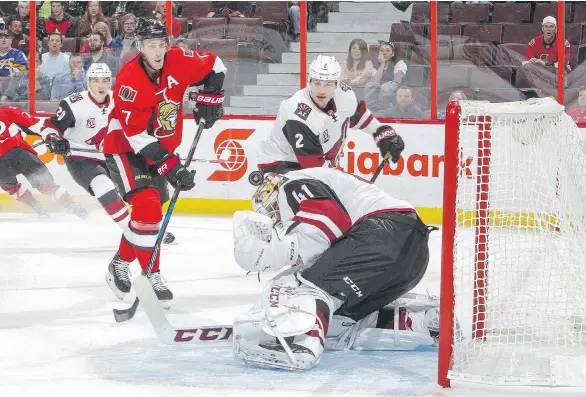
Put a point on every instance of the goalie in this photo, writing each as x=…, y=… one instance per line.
x=351, y=248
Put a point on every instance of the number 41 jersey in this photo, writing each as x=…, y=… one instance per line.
x=305, y=134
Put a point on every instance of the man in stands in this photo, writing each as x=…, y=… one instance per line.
x=97, y=42
x=54, y=61
x=405, y=108
x=59, y=21
x=11, y=59
x=542, y=50
x=69, y=82
x=19, y=39
x=579, y=114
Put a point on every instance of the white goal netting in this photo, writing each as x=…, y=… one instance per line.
x=520, y=246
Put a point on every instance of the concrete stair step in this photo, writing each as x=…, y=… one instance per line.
x=355, y=7
x=269, y=102
x=251, y=111
x=293, y=57
x=378, y=27
x=270, y=90
x=284, y=68
x=278, y=79
x=343, y=37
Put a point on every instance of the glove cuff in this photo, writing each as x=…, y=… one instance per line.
x=384, y=132
x=167, y=165
x=209, y=99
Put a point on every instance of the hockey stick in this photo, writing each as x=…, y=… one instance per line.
x=37, y=144
x=380, y=167
x=127, y=314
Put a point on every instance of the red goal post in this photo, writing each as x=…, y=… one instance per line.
x=513, y=290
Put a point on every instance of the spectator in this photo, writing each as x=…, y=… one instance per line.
x=22, y=13
x=92, y=15
x=104, y=29
x=294, y=15
x=160, y=14
x=542, y=50
x=356, y=69
x=579, y=114
x=230, y=9
x=11, y=59
x=97, y=54
x=17, y=89
x=20, y=41
x=389, y=75
x=85, y=46
x=125, y=41
x=65, y=84
x=55, y=61
x=404, y=108
x=60, y=22
x=455, y=96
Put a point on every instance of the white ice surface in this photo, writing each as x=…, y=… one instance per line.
x=58, y=336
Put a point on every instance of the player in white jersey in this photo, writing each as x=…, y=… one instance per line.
x=310, y=129
x=352, y=249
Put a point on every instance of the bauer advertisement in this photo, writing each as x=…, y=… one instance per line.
x=226, y=155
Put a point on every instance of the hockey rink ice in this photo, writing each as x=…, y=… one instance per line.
x=58, y=336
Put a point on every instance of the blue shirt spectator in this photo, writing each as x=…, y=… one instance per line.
x=11, y=59
x=125, y=41
x=65, y=84
x=54, y=61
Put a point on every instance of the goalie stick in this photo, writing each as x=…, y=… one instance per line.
x=127, y=314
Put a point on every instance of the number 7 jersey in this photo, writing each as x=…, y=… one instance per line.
x=305, y=134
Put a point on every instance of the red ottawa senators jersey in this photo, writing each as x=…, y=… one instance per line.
x=546, y=52
x=12, y=122
x=145, y=110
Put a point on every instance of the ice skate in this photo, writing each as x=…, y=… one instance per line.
x=118, y=277
x=163, y=293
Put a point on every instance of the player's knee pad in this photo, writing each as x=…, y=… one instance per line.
x=101, y=185
x=16, y=191
x=146, y=207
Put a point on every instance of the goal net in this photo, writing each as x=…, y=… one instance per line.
x=514, y=245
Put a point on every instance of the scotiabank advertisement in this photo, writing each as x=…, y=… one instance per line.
x=226, y=154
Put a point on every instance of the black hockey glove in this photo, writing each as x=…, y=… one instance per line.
x=57, y=144
x=177, y=175
x=388, y=141
x=209, y=105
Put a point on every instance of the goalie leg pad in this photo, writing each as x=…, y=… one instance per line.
x=287, y=329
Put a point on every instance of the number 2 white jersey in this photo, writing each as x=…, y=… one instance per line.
x=306, y=135
x=326, y=203
x=82, y=121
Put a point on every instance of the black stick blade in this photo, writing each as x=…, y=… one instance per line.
x=121, y=315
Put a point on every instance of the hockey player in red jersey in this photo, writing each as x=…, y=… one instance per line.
x=18, y=157
x=145, y=129
x=310, y=129
x=351, y=249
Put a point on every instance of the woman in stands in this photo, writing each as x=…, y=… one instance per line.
x=357, y=70
x=388, y=77
x=93, y=14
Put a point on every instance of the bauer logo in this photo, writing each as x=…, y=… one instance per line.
x=231, y=155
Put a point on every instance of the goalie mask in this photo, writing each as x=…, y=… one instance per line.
x=265, y=199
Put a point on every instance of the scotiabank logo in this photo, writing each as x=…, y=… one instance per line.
x=416, y=165
x=236, y=164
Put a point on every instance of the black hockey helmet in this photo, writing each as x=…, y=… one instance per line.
x=151, y=29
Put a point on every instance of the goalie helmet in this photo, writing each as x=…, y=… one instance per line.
x=324, y=68
x=265, y=199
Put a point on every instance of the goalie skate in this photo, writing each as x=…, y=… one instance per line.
x=272, y=354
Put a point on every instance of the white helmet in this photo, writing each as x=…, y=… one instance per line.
x=324, y=68
x=98, y=70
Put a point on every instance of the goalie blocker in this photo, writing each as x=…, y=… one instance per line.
x=352, y=250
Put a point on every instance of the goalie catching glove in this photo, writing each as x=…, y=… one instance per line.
x=261, y=245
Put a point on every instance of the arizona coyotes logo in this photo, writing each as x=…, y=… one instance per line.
x=167, y=116
x=303, y=110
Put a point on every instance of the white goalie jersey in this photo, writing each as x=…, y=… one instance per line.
x=320, y=205
x=83, y=122
x=305, y=134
